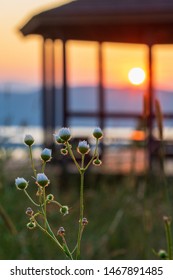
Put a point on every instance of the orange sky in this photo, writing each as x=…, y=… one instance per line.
x=20, y=58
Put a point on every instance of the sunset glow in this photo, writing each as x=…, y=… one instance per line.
x=21, y=58
x=136, y=76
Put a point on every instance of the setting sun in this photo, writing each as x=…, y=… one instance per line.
x=136, y=76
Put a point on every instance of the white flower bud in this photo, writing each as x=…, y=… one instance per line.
x=21, y=183
x=42, y=180
x=29, y=140
x=46, y=155
x=64, y=134
x=83, y=147
x=97, y=133
x=58, y=139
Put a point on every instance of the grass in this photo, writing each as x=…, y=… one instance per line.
x=124, y=213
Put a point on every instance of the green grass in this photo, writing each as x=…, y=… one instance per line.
x=124, y=213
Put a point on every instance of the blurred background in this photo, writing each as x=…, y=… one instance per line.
x=129, y=194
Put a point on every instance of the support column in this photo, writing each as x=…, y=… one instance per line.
x=150, y=105
x=64, y=83
x=101, y=88
x=48, y=91
x=53, y=88
x=44, y=90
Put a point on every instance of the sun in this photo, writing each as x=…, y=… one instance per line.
x=136, y=76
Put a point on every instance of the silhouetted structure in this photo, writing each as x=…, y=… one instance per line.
x=128, y=21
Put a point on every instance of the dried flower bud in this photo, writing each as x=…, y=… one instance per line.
x=64, y=152
x=58, y=139
x=39, y=191
x=42, y=180
x=64, y=134
x=97, y=162
x=29, y=140
x=83, y=147
x=64, y=210
x=21, y=184
x=167, y=219
x=31, y=225
x=84, y=221
x=29, y=211
x=163, y=254
x=61, y=231
x=97, y=133
x=46, y=155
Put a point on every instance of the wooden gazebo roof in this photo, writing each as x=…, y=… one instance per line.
x=131, y=21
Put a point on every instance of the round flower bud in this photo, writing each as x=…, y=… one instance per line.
x=61, y=231
x=84, y=221
x=31, y=225
x=58, y=139
x=29, y=140
x=29, y=211
x=163, y=254
x=64, y=210
x=97, y=162
x=97, y=133
x=46, y=155
x=42, y=180
x=50, y=197
x=83, y=147
x=64, y=152
x=21, y=184
x=64, y=134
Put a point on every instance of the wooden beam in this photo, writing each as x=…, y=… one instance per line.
x=101, y=88
x=150, y=103
x=64, y=59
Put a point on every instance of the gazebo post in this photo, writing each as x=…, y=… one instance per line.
x=150, y=103
x=44, y=115
x=64, y=60
x=100, y=85
x=101, y=90
x=53, y=88
x=48, y=92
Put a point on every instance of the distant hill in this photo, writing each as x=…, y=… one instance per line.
x=23, y=107
x=20, y=109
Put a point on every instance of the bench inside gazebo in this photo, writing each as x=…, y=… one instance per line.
x=126, y=21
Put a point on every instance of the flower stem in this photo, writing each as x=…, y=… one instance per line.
x=94, y=155
x=72, y=156
x=81, y=217
x=27, y=194
x=66, y=249
x=168, y=237
x=32, y=162
x=45, y=210
x=50, y=235
x=56, y=202
x=43, y=166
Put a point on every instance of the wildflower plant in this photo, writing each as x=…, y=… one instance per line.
x=38, y=219
x=166, y=254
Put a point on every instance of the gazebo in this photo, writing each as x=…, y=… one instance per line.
x=146, y=22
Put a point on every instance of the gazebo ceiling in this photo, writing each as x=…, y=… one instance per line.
x=131, y=21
